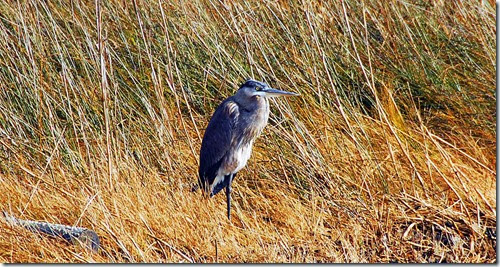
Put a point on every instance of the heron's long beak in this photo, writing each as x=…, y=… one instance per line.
x=275, y=92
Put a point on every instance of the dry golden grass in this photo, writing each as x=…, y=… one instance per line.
x=387, y=155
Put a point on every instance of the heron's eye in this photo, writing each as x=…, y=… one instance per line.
x=258, y=88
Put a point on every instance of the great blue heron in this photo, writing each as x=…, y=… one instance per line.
x=228, y=139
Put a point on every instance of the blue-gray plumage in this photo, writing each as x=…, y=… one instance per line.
x=229, y=137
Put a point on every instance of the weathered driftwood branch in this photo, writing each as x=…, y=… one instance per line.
x=75, y=235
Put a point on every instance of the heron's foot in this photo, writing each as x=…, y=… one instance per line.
x=195, y=187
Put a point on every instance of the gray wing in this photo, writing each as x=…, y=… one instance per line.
x=216, y=141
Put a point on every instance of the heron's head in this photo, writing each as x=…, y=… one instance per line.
x=252, y=88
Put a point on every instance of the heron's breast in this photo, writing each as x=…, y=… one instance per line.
x=243, y=154
x=237, y=158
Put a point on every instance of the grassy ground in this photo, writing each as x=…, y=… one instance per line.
x=388, y=154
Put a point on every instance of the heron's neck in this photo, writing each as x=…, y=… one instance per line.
x=263, y=105
x=257, y=115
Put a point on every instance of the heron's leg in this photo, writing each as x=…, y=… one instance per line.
x=228, y=196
